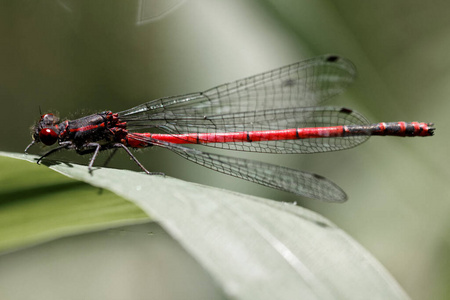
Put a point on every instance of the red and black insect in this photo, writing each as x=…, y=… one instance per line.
x=273, y=112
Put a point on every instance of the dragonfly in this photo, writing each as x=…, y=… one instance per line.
x=277, y=112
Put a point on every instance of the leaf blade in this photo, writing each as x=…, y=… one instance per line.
x=254, y=248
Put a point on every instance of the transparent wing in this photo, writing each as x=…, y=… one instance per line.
x=301, y=84
x=303, y=117
x=282, y=178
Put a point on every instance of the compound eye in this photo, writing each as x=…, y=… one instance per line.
x=47, y=136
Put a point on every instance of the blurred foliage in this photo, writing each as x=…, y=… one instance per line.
x=77, y=57
x=51, y=206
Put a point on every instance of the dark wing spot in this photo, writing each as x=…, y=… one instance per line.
x=332, y=58
x=317, y=176
x=346, y=110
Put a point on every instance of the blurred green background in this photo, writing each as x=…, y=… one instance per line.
x=79, y=57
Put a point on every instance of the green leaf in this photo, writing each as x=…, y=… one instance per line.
x=37, y=205
x=254, y=248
